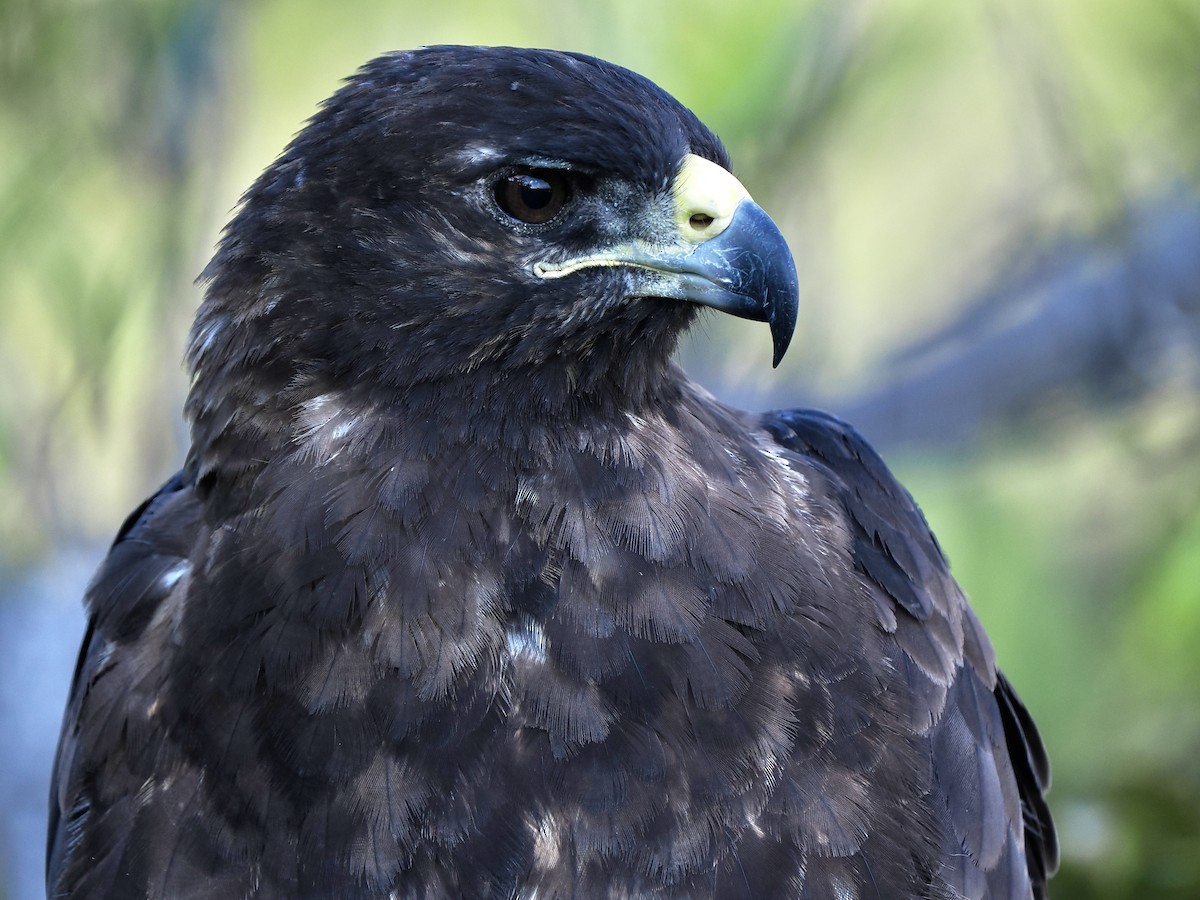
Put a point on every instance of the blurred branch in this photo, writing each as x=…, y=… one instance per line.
x=1107, y=320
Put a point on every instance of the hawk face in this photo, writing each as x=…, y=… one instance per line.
x=477, y=212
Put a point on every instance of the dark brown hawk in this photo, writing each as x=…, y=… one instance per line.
x=465, y=590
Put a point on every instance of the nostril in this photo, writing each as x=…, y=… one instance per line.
x=700, y=221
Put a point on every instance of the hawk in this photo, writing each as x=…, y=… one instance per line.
x=465, y=590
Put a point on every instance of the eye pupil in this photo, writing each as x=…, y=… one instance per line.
x=533, y=196
x=536, y=193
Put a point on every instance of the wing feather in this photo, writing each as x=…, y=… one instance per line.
x=988, y=762
x=104, y=758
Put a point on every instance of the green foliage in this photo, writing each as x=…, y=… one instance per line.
x=1080, y=549
x=95, y=185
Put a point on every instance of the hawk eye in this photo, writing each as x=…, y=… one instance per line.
x=533, y=196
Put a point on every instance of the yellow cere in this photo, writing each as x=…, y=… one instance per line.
x=706, y=197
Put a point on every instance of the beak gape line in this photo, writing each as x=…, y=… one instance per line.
x=728, y=255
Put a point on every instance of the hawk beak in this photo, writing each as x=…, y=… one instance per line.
x=737, y=261
x=727, y=255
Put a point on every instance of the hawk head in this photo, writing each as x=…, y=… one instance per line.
x=532, y=218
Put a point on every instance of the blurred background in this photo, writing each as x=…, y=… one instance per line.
x=995, y=213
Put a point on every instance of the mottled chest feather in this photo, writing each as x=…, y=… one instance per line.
x=641, y=630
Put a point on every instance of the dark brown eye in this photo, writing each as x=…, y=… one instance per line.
x=533, y=196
